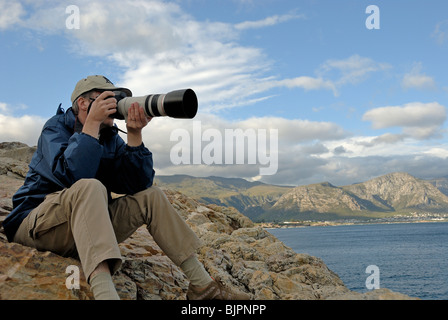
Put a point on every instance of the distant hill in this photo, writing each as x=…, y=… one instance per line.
x=441, y=184
x=250, y=198
x=401, y=192
x=385, y=196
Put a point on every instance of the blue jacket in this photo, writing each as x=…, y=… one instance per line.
x=64, y=155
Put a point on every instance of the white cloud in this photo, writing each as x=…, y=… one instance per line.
x=306, y=83
x=438, y=152
x=217, y=72
x=440, y=32
x=298, y=141
x=10, y=13
x=291, y=132
x=296, y=131
x=351, y=70
x=357, y=159
x=418, y=120
x=373, y=146
x=344, y=171
x=147, y=28
x=269, y=21
x=160, y=47
x=7, y=109
x=415, y=79
x=24, y=129
x=387, y=138
x=308, y=151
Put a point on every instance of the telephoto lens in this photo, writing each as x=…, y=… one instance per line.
x=181, y=104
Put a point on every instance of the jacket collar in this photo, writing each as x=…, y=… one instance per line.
x=69, y=118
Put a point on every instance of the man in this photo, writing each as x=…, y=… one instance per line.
x=65, y=204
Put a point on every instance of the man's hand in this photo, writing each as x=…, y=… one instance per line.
x=137, y=120
x=100, y=110
x=102, y=107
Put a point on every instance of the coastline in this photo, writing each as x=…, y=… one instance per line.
x=408, y=254
x=345, y=222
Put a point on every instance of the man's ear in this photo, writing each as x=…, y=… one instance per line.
x=83, y=103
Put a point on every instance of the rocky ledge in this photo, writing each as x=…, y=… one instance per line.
x=234, y=249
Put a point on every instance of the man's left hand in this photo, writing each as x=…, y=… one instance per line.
x=137, y=120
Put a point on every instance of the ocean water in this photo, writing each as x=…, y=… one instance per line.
x=412, y=258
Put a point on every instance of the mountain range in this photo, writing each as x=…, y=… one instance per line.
x=385, y=196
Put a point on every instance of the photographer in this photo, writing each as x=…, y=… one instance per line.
x=65, y=204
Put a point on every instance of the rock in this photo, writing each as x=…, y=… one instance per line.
x=14, y=158
x=241, y=254
x=377, y=294
x=26, y=273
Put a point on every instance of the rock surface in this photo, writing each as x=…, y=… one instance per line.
x=243, y=255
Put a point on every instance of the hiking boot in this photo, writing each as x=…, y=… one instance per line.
x=215, y=291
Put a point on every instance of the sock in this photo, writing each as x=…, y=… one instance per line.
x=195, y=272
x=103, y=287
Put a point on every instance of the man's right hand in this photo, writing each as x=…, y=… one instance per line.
x=100, y=110
x=102, y=107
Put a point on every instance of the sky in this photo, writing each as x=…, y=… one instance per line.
x=335, y=91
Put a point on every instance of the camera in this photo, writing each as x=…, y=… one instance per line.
x=181, y=104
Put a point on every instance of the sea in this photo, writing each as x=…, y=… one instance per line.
x=410, y=258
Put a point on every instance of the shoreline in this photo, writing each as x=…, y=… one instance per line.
x=304, y=224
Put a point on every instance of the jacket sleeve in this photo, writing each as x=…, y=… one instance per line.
x=132, y=169
x=68, y=159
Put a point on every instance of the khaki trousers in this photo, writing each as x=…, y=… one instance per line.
x=79, y=222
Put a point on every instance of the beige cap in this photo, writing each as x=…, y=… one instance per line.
x=96, y=83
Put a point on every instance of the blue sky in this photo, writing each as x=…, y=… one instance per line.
x=349, y=103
